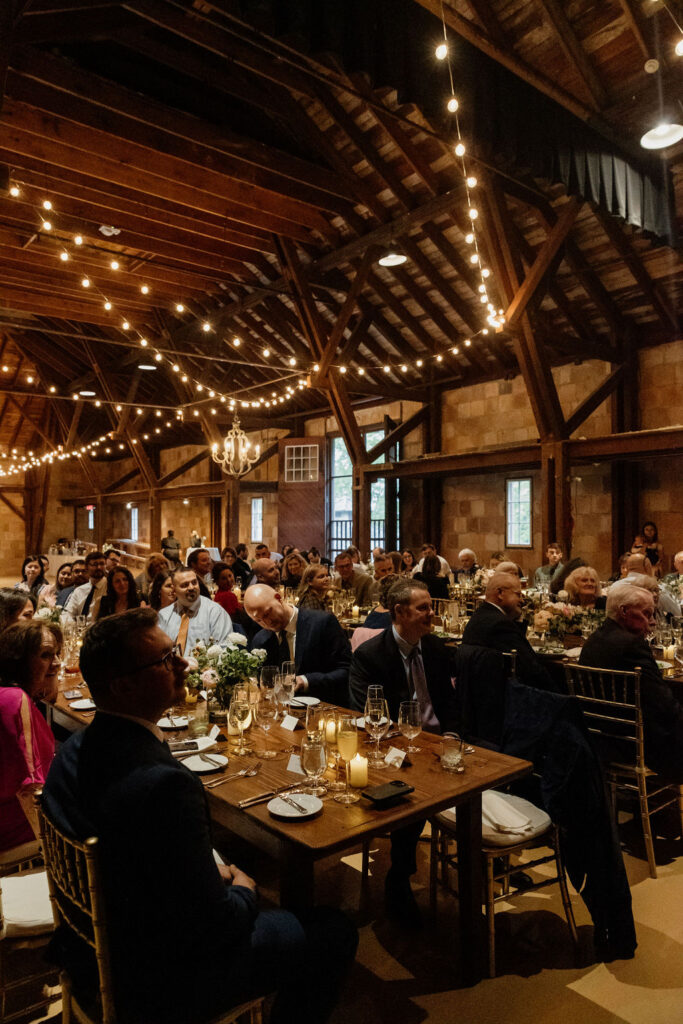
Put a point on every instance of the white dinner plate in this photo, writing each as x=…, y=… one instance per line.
x=203, y=743
x=280, y=809
x=179, y=722
x=196, y=764
x=303, y=699
x=83, y=705
x=360, y=722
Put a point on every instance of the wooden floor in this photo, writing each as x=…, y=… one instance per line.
x=407, y=978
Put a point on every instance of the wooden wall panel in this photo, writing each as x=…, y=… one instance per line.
x=301, y=506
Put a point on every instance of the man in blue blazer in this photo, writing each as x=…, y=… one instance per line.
x=174, y=913
x=313, y=640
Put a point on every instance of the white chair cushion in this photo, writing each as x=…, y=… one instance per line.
x=26, y=907
x=505, y=819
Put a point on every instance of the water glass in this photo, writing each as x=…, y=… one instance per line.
x=410, y=722
x=287, y=680
x=314, y=762
x=452, y=752
x=267, y=711
x=377, y=724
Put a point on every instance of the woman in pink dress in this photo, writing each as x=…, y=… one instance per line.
x=29, y=670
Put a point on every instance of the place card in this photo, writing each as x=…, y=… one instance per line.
x=290, y=722
x=294, y=765
x=395, y=757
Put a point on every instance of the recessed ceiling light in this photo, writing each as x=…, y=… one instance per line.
x=87, y=394
x=392, y=258
x=146, y=366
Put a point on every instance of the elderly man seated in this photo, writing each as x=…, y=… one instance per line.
x=192, y=617
x=312, y=639
x=496, y=624
x=675, y=579
x=187, y=939
x=467, y=565
x=620, y=643
x=641, y=565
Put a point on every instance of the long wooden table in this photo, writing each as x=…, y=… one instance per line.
x=298, y=846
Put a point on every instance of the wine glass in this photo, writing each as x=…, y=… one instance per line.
x=330, y=731
x=377, y=724
x=288, y=680
x=410, y=722
x=375, y=693
x=266, y=713
x=314, y=719
x=314, y=762
x=269, y=677
x=239, y=713
x=347, y=744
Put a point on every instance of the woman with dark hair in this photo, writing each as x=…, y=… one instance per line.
x=33, y=580
x=436, y=585
x=29, y=672
x=156, y=563
x=312, y=592
x=161, y=593
x=224, y=578
x=121, y=594
x=240, y=569
x=316, y=558
x=15, y=606
x=408, y=563
x=379, y=617
x=653, y=549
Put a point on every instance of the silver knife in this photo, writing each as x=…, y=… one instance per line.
x=292, y=803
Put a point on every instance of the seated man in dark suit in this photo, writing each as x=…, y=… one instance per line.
x=312, y=639
x=495, y=624
x=174, y=914
x=410, y=664
x=620, y=644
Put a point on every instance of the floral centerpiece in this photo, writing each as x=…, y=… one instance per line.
x=561, y=618
x=219, y=669
x=48, y=613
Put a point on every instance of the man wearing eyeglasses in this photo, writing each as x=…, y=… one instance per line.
x=193, y=617
x=171, y=908
x=85, y=599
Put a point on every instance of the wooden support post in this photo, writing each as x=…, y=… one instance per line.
x=100, y=525
x=231, y=512
x=556, y=510
x=155, y=499
x=433, y=487
x=625, y=474
x=547, y=495
x=361, y=510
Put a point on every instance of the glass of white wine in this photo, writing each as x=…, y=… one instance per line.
x=347, y=744
x=330, y=732
x=377, y=724
x=239, y=713
x=410, y=722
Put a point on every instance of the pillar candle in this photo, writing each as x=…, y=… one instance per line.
x=355, y=613
x=358, y=771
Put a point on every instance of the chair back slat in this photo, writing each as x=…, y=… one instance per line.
x=610, y=701
x=75, y=883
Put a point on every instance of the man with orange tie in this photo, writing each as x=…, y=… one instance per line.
x=193, y=617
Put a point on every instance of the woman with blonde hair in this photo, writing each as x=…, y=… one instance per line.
x=583, y=588
x=312, y=592
x=292, y=569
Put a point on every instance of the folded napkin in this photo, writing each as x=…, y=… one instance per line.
x=574, y=652
x=179, y=748
x=499, y=815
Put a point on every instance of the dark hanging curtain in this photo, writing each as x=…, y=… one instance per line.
x=513, y=125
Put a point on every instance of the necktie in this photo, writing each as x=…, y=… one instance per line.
x=283, y=647
x=420, y=691
x=181, y=639
x=88, y=601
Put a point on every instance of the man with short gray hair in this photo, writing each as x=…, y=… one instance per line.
x=621, y=644
x=641, y=565
x=467, y=565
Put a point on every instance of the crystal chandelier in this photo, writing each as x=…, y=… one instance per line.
x=236, y=457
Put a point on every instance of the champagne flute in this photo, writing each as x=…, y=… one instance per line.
x=347, y=743
x=377, y=724
x=330, y=731
x=288, y=680
x=410, y=722
x=314, y=762
x=239, y=712
x=266, y=712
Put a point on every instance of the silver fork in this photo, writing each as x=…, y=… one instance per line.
x=245, y=773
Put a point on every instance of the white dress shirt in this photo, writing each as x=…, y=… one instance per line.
x=78, y=597
x=208, y=621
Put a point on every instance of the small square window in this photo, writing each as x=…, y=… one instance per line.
x=301, y=463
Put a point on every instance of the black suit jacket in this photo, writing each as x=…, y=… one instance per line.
x=170, y=911
x=379, y=661
x=612, y=646
x=488, y=627
x=322, y=653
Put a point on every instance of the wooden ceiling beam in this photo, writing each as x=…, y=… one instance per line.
x=336, y=334
x=484, y=13
x=11, y=506
x=636, y=22
x=594, y=400
x=85, y=24
x=397, y=434
x=573, y=50
x=23, y=411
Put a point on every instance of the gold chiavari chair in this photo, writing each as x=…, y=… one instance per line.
x=75, y=883
x=611, y=706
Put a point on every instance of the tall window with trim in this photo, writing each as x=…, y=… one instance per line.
x=518, y=513
x=256, y=520
x=340, y=523
x=134, y=523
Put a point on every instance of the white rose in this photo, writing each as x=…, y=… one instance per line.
x=238, y=638
x=192, y=663
x=562, y=595
x=259, y=653
x=214, y=651
x=43, y=613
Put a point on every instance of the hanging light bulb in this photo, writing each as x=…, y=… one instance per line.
x=393, y=257
x=452, y=105
x=664, y=135
x=441, y=51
